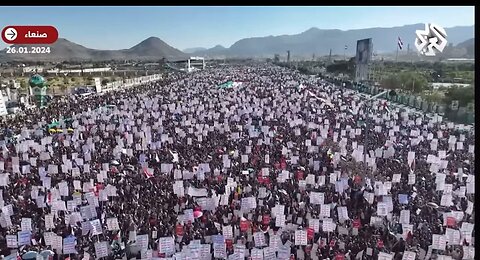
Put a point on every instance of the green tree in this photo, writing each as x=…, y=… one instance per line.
x=63, y=88
x=409, y=81
x=105, y=81
x=434, y=96
x=89, y=81
x=23, y=84
x=345, y=67
x=413, y=82
x=439, y=69
x=391, y=82
x=464, y=95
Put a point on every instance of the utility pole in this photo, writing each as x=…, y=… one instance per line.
x=330, y=57
x=288, y=57
x=408, y=53
x=396, y=57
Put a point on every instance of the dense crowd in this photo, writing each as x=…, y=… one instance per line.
x=281, y=166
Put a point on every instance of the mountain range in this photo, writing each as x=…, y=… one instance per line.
x=151, y=48
x=313, y=41
x=193, y=50
x=469, y=46
x=320, y=42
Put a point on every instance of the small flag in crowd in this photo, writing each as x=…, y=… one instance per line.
x=385, y=106
x=148, y=172
x=412, y=166
x=400, y=43
x=346, y=47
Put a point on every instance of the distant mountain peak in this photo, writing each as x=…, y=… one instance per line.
x=152, y=38
x=194, y=49
x=313, y=29
x=152, y=48
x=151, y=41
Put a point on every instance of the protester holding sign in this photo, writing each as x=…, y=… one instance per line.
x=180, y=168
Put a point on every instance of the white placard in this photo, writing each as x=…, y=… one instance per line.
x=11, y=241
x=301, y=237
x=101, y=249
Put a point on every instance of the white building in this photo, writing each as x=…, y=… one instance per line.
x=32, y=69
x=196, y=62
x=437, y=85
x=89, y=70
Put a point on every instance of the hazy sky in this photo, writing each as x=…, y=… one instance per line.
x=185, y=27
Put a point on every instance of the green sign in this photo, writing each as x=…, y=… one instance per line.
x=228, y=84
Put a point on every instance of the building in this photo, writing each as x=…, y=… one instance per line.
x=196, y=62
x=460, y=60
x=89, y=70
x=437, y=85
x=188, y=65
x=32, y=69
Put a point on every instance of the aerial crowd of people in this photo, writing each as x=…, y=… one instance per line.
x=280, y=165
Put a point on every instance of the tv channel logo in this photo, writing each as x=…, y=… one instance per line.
x=432, y=40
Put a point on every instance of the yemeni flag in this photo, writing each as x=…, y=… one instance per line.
x=148, y=172
x=400, y=43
